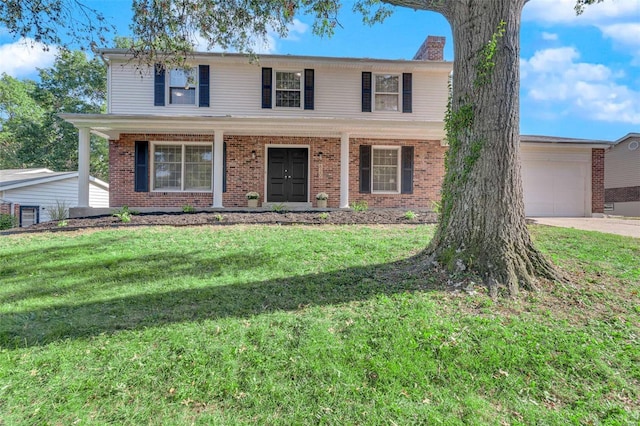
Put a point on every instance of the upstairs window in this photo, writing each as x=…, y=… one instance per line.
x=288, y=89
x=387, y=92
x=182, y=87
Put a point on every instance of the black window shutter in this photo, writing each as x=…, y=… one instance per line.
x=141, y=166
x=365, y=169
x=158, y=86
x=266, y=88
x=203, y=82
x=406, y=92
x=366, y=91
x=407, y=170
x=224, y=167
x=308, y=88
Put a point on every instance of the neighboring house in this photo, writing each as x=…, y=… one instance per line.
x=622, y=177
x=288, y=128
x=32, y=194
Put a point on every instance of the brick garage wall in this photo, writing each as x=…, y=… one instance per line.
x=622, y=195
x=428, y=173
x=244, y=173
x=597, y=180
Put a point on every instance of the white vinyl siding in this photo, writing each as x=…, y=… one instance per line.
x=46, y=195
x=236, y=90
x=622, y=165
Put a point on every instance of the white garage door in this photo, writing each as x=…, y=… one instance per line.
x=555, y=188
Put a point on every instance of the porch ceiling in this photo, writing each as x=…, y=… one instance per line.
x=111, y=126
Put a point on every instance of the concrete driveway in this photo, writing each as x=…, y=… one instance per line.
x=609, y=225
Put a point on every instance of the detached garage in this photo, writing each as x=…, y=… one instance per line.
x=562, y=176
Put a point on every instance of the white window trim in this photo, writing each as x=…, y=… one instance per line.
x=275, y=89
x=183, y=144
x=375, y=92
x=398, y=166
x=167, y=89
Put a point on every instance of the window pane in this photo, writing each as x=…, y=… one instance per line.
x=386, y=102
x=288, y=80
x=181, y=96
x=288, y=99
x=168, y=167
x=198, y=168
x=387, y=83
x=385, y=170
x=180, y=78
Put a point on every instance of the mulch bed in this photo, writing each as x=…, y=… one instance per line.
x=334, y=217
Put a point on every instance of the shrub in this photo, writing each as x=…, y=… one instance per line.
x=360, y=206
x=410, y=215
x=124, y=214
x=188, y=208
x=324, y=216
x=280, y=208
x=60, y=211
x=7, y=221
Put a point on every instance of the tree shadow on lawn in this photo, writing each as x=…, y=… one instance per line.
x=37, y=327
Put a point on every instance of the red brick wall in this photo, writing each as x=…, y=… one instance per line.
x=5, y=208
x=428, y=173
x=246, y=174
x=597, y=180
x=622, y=195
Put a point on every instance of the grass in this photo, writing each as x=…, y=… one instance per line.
x=308, y=325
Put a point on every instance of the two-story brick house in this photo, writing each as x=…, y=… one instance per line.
x=287, y=127
x=290, y=127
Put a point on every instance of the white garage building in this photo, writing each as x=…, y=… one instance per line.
x=563, y=176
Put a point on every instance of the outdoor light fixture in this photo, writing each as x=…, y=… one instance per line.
x=253, y=154
x=320, y=155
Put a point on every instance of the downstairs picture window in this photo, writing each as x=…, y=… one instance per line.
x=182, y=167
x=385, y=170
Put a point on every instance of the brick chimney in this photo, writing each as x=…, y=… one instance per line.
x=431, y=50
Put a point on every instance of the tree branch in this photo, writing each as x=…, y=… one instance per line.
x=440, y=6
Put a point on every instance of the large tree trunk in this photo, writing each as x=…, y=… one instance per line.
x=482, y=228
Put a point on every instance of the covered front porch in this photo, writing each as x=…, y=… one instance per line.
x=244, y=151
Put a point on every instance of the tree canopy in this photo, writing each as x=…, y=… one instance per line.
x=32, y=134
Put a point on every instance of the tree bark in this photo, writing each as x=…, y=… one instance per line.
x=482, y=228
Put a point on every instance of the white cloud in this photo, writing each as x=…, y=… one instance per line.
x=24, y=56
x=562, y=11
x=296, y=29
x=556, y=77
x=549, y=36
x=626, y=36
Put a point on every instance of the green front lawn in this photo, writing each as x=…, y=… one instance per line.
x=308, y=325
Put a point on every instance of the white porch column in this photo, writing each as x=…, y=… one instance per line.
x=344, y=170
x=218, y=153
x=83, y=166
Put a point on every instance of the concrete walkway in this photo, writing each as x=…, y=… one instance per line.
x=609, y=225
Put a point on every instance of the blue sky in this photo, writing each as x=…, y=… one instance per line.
x=580, y=74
